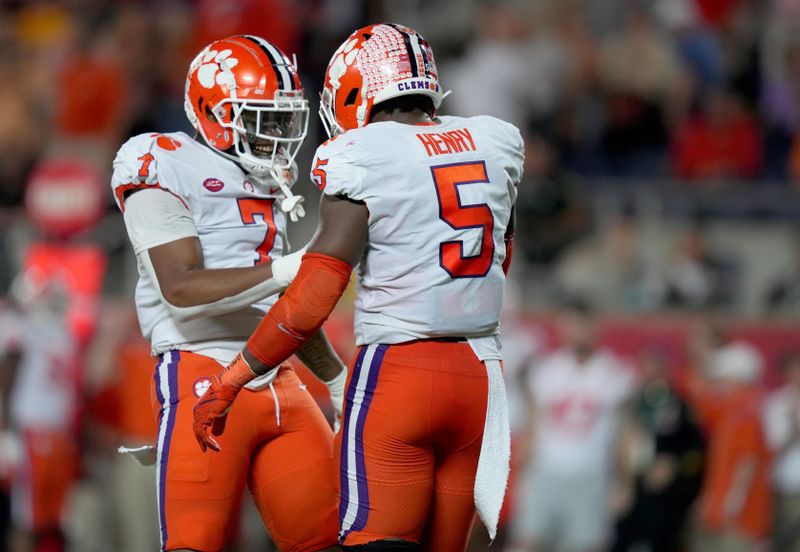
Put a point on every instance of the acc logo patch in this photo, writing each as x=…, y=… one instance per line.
x=248, y=187
x=213, y=184
x=200, y=386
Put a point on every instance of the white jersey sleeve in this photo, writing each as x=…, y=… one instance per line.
x=143, y=163
x=154, y=217
x=339, y=170
x=513, y=147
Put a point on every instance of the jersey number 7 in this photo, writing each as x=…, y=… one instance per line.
x=249, y=208
x=447, y=179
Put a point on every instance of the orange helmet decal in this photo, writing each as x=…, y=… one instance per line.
x=374, y=64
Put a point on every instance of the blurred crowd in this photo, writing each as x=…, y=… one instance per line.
x=649, y=124
x=702, y=90
x=651, y=340
x=663, y=449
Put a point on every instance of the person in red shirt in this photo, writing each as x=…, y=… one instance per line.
x=721, y=142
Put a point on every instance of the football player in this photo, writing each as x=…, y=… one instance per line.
x=207, y=220
x=424, y=206
x=40, y=398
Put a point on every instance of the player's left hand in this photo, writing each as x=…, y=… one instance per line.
x=211, y=411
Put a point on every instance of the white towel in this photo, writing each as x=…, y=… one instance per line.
x=491, y=478
x=146, y=455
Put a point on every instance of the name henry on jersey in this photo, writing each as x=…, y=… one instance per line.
x=452, y=141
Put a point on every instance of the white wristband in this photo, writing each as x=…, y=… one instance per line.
x=284, y=269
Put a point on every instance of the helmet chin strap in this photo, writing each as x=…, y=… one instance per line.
x=284, y=177
x=291, y=203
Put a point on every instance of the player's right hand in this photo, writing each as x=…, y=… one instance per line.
x=210, y=413
x=211, y=410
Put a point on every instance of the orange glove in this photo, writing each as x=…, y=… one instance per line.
x=211, y=410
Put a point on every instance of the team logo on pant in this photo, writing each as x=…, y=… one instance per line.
x=200, y=387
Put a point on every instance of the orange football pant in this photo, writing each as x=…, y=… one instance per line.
x=409, y=445
x=276, y=441
x=39, y=490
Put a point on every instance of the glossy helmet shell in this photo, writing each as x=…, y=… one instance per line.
x=234, y=72
x=376, y=63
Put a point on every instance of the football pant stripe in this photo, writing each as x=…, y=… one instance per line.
x=167, y=394
x=346, y=461
x=355, y=500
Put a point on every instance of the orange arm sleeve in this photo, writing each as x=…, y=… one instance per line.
x=302, y=310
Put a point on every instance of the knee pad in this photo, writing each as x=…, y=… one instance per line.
x=385, y=546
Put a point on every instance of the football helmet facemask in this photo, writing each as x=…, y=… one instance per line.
x=244, y=97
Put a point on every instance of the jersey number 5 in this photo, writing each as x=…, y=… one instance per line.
x=452, y=259
x=248, y=209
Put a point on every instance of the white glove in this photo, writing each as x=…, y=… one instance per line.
x=285, y=268
x=336, y=389
x=293, y=204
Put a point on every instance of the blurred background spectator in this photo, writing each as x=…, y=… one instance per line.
x=42, y=393
x=695, y=276
x=720, y=142
x=783, y=294
x=669, y=451
x=735, y=507
x=662, y=189
x=577, y=475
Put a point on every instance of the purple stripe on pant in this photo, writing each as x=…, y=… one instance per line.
x=169, y=403
x=362, y=513
x=351, y=392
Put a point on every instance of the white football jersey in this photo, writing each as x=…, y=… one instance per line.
x=238, y=220
x=439, y=199
x=46, y=389
x=578, y=411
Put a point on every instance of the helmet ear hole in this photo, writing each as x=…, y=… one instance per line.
x=351, y=97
